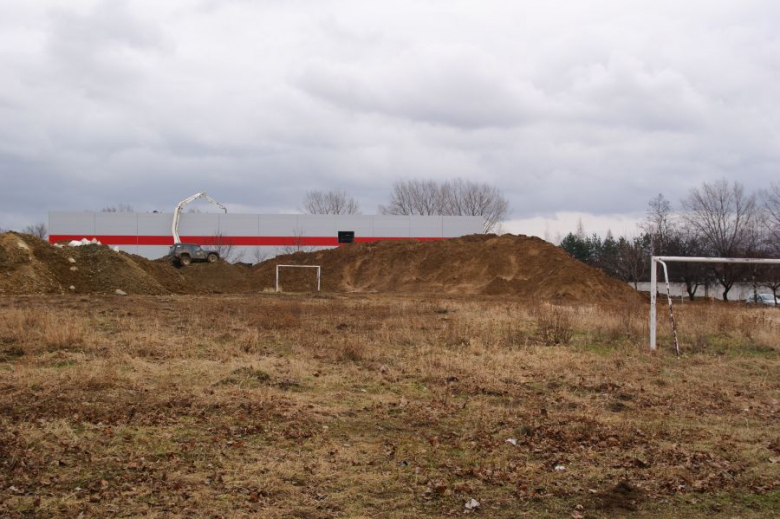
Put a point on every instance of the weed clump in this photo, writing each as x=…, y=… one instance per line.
x=252, y=373
x=554, y=325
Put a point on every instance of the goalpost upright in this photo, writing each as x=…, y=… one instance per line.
x=663, y=260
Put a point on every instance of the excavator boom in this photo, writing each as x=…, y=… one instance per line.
x=180, y=207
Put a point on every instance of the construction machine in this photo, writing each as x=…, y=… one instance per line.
x=185, y=253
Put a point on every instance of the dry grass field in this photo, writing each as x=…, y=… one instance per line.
x=383, y=406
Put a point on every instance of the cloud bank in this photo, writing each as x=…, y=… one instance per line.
x=569, y=107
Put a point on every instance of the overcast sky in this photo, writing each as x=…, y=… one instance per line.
x=573, y=108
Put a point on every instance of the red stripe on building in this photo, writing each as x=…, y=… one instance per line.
x=310, y=241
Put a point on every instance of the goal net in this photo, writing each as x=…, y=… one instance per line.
x=655, y=261
x=278, y=267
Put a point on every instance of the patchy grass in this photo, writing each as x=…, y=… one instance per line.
x=358, y=406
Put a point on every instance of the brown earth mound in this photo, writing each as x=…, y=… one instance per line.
x=517, y=266
x=29, y=265
x=478, y=264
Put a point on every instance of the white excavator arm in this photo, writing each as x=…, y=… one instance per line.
x=180, y=207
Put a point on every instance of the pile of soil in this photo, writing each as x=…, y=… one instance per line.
x=29, y=265
x=521, y=266
x=517, y=266
x=212, y=278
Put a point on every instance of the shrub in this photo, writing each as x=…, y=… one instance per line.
x=553, y=324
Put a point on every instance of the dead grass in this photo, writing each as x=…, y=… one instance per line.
x=297, y=406
x=38, y=330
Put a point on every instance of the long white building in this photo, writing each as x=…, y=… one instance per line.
x=255, y=235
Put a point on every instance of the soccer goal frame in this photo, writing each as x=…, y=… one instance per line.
x=663, y=260
x=319, y=270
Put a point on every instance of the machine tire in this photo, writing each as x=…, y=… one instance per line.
x=185, y=259
x=212, y=258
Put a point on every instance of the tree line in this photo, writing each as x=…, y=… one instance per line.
x=718, y=219
x=423, y=198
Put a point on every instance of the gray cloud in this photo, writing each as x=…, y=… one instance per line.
x=568, y=107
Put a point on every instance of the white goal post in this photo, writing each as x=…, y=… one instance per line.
x=298, y=267
x=663, y=260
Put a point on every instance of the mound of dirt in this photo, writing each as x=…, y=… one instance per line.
x=516, y=266
x=215, y=278
x=21, y=270
x=519, y=266
x=29, y=265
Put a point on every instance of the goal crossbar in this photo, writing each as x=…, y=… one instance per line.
x=319, y=270
x=663, y=260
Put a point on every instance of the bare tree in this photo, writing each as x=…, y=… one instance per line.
x=477, y=199
x=580, y=229
x=38, y=229
x=683, y=243
x=415, y=197
x=770, y=278
x=632, y=255
x=452, y=198
x=724, y=217
x=120, y=208
x=297, y=245
x=224, y=246
x=260, y=255
x=659, y=223
x=330, y=202
x=771, y=220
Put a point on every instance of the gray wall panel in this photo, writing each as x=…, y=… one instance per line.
x=199, y=224
x=154, y=224
x=120, y=224
x=391, y=226
x=86, y=224
x=153, y=251
x=425, y=226
x=317, y=225
x=462, y=225
x=239, y=224
x=71, y=223
x=278, y=224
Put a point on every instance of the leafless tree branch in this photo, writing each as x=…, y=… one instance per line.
x=330, y=202
x=451, y=198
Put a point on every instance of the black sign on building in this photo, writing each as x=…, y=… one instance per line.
x=346, y=236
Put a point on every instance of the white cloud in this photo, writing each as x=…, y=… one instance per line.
x=570, y=107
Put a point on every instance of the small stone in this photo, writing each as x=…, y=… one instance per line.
x=472, y=504
x=120, y=292
x=72, y=288
x=74, y=269
x=71, y=260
